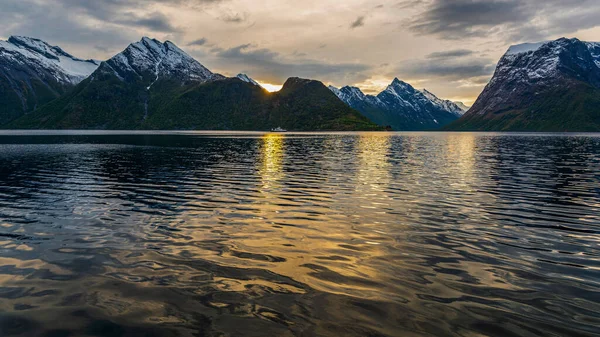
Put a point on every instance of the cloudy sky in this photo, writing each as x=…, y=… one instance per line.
x=447, y=46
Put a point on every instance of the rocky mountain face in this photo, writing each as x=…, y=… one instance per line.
x=234, y=104
x=32, y=73
x=549, y=86
x=402, y=107
x=155, y=85
x=247, y=79
x=149, y=61
x=124, y=90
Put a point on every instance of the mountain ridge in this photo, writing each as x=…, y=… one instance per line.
x=550, y=86
x=401, y=106
x=33, y=73
x=156, y=85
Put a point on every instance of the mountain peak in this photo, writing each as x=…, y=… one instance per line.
x=534, y=82
x=150, y=60
x=401, y=84
x=38, y=54
x=528, y=47
x=38, y=46
x=150, y=40
x=398, y=87
x=36, y=72
x=247, y=79
x=295, y=81
x=401, y=106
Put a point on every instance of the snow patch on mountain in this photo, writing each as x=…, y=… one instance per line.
x=402, y=106
x=398, y=93
x=41, y=57
x=461, y=105
x=247, y=79
x=524, y=48
x=348, y=93
x=594, y=48
x=151, y=60
x=527, y=72
x=447, y=105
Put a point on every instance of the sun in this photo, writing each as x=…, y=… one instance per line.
x=271, y=87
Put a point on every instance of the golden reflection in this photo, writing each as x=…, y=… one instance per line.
x=272, y=151
x=463, y=175
x=460, y=156
x=373, y=173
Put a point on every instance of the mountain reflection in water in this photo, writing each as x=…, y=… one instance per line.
x=342, y=234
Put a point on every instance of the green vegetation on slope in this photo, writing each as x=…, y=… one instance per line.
x=566, y=108
x=108, y=103
x=19, y=96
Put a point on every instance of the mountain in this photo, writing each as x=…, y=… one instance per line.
x=462, y=106
x=233, y=104
x=156, y=85
x=546, y=86
x=401, y=106
x=247, y=79
x=33, y=73
x=149, y=61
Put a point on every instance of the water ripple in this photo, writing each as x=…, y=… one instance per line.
x=383, y=234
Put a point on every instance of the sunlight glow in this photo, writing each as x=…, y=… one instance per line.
x=271, y=87
x=272, y=151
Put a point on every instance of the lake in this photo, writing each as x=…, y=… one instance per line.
x=340, y=234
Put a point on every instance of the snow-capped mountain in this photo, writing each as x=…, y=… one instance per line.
x=32, y=72
x=402, y=107
x=42, y=58
x=462, y=106
x=551, y=85
x=457, y=108
x=150, y=60
x=247, y=79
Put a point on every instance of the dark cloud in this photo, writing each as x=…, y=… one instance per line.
x=96, y=29
x=199, y=42
x=507, y=19
x=272, y=66
x=57, y=24
x=409, y=4
x=68, y=21
x=156, y=22
x=466, y=18
x=234, y=17
x=450, y=54
x=450, y=69
x=359, y=22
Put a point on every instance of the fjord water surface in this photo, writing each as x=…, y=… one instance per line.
x=374, y=234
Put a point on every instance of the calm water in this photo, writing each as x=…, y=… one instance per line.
x=299, y=235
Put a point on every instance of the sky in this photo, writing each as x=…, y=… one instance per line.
x=449, y=47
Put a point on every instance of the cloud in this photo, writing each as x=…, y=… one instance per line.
x=199, y=42
x=407, y=4
x=155, y=21
x=467, y=18
x=449, y=69
x=450, y=65
x=75, y=21
x=234, y=17
x=359, y=22
x=450, y=54
x=275, y=67
x=505, y=19
x=52, y=22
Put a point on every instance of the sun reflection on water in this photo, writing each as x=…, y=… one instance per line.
x=272, y=152
x=374, y=167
